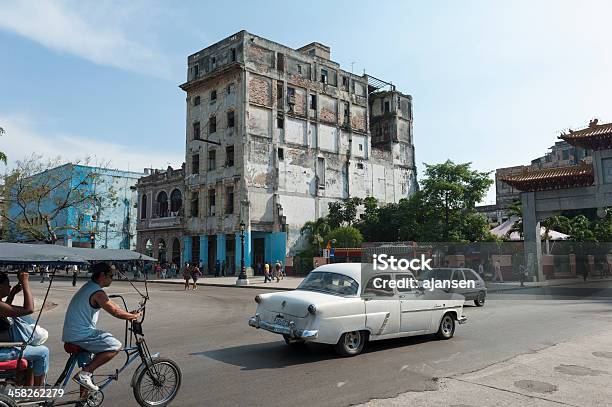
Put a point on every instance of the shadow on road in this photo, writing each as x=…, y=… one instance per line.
x=274, y=355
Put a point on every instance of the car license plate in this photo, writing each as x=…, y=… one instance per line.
x=281, y=321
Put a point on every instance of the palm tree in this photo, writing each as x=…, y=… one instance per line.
x=316, y=231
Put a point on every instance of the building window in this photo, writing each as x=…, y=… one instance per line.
x=360, y=166
x=229, y=203
x=360, y=147
x=143, y=207
x=281, y=154
x=213, y=62
x=176, y=202
x=211, y=202
x=323, y=75
x=162, y=205
x=195, y=204
x=196, y=101
x=313, y=102
x=233, y=55
x=280, y=121
x=345, y=83
x=321, y=172
x=196, y=130
x=280, y=62
x=212, y=124
x=299, y=69
x=230, y=119
x=387, y=107
x=212, y=159
x=196, y=70
x=213, y=96
x=195, y=164
x=229, y=156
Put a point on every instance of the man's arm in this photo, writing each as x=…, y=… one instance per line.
x=101, y=300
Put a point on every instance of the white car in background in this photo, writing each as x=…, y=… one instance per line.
x=331, y=306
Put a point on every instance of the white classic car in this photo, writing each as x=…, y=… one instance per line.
x=330, y=306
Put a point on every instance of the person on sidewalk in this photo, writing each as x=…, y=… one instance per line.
x=498, y=273
x=75, y=271
x=223, y=268
x=277, y=271
x=481, y=269
x=217, y=268
x=195, y=273
x=164, y=271
x=186, y=275
x=267, y=273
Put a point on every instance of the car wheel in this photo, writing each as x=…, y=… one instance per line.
x=293, y=343
x=447, y=327
x=480, y=300
x=351, y=343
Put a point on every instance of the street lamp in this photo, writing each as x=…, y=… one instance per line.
x=242, y=277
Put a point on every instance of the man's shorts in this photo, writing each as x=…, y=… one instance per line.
x=98, y=342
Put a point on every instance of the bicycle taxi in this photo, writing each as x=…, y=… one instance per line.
x=155, y=382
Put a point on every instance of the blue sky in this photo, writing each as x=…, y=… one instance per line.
x=493, y=82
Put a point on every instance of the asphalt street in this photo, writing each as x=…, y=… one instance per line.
x=227, y=363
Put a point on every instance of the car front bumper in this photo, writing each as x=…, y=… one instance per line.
x=290, y=330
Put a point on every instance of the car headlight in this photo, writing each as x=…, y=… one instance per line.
x=312, y=309
x=258, y=299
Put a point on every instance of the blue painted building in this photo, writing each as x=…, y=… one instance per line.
x=102, y=213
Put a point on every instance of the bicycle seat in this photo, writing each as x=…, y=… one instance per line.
x=72, y=348
x=12, y=364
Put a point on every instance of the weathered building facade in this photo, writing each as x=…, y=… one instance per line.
x=161, y=214
x=274, y=135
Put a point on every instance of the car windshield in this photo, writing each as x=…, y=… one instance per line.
x=330, y=283
x=436, y=274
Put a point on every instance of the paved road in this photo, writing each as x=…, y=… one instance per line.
x=226, y=363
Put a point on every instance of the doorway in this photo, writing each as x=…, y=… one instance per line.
x=212, y=253
x=259, y=254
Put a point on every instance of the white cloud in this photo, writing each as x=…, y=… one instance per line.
x=93, y=33
x=22, y=139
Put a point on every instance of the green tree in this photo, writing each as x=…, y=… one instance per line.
x=345, y=236
x=335, y=215
x=603, y=228
x=315, y=231
x=3, y=157
x=451, y=191
x=581, y=229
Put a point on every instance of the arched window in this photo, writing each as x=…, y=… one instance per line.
x=149, y=248
x=161, y=251
x=176, y=201
x=162, y=205
x=143, y=207
x=176, y=251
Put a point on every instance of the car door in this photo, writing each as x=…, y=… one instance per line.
x=458, y=279
x=382, y=307
x=474, y=282
x=415, y=309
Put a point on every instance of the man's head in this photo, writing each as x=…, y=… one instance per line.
x=5, y=285
x=102, y=273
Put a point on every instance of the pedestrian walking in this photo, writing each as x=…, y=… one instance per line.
x=186, y=275
x=75, y=270
x=223, y=268
x=277, y=271
x=164, y=271
x=217, y=268
x=498, y=273
x=481, y=269
x=172, y=270
x=195, y=273
x=267, y=273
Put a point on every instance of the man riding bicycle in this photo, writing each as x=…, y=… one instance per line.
x=80, y=324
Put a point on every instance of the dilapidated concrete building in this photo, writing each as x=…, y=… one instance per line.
x=161, y=214
x=274, y=134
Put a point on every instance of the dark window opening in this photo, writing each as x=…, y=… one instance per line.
x=196, y=130
x=162, y=205
x=313, y=102
x=230, y=119
x=196, y=101
x=233, y=55
x=280, y=62
x=211, y=202
x=176, y=201
x=360, y=147
x=195, y=204
x=360, y=166
x=213, y=96
x=195, y=164
x=280, y=121
x=279, y=90
x=345, y=83
x=281, y=154
x=299, y=69
x=143, y=207
x=229, y=156
x=387, y=107
x=196, y=70
x=323, y=75
x=212, y=124
x=212, y=159
x=229, y=204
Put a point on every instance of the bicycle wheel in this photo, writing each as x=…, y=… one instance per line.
x=159, y=384
x=6, y=401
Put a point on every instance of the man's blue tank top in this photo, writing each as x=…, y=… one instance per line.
x=81, y=317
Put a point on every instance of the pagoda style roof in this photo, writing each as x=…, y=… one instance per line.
x=552, y=178
x=594, y=137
